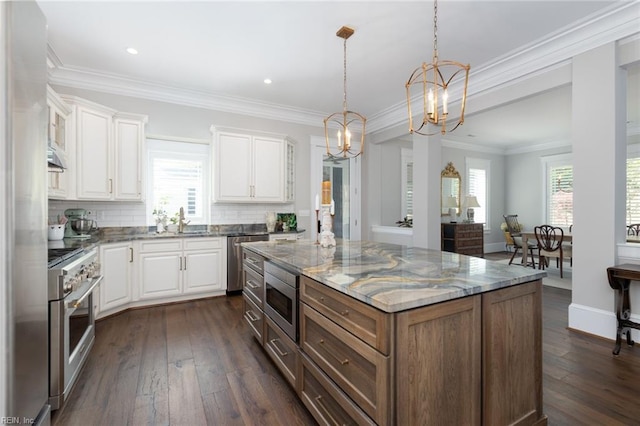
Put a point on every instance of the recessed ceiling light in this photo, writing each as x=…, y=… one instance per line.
x=132, y=51
x=267, y=81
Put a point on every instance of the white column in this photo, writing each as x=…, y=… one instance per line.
x=427, y=154
x=599, y=184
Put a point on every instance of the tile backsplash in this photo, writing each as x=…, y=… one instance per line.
x=110, y=213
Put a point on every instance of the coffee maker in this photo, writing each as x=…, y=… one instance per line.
x=78, y=224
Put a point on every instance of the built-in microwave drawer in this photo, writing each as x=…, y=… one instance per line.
x=254, y=317
x=366, y=322
x=283, y=351
x=325, y=401
x=253, y=285
x=358, y=369
x=253, y=261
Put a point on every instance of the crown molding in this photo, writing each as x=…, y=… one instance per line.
x=468, y=146
x=119, y=85
x=619, y=21
x=538, y=147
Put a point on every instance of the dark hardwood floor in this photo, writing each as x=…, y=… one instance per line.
x=195, y=363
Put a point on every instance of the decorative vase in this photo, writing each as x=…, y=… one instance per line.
x=271, y=221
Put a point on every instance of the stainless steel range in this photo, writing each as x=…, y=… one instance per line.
x=73, y=275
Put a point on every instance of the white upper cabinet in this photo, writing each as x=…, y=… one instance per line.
x=109, y=146
x=129, y=156
x=59, y=113
x=250, y=168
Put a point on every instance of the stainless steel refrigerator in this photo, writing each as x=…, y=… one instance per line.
x=23, y=214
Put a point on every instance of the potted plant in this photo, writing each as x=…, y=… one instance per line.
x=173, y=226
x=160, y=215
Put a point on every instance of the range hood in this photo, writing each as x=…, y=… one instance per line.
x=55, y=163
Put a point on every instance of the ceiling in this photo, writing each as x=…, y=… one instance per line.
x=223, y=50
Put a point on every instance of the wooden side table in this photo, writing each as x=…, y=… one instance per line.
x=620, y=276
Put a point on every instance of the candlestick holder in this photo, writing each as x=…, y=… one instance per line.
x=327, y=238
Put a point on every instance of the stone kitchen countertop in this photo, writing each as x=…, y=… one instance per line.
x=391, y=277
x=117, y=235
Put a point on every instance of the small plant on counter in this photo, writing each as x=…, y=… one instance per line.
x=160, y=215
x=175, y=218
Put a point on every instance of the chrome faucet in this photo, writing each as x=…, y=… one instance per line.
x=181, y=222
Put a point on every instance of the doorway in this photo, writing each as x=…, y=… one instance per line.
x=337, y=172
x=344, y=174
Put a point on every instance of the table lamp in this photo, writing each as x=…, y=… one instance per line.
x=471, y=201
x=452, y=203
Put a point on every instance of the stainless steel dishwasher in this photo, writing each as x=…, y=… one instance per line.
x=234, y=259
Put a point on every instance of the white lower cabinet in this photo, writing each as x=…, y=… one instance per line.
x=115, y=289
x=175, y=267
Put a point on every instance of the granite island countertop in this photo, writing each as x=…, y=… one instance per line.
x=391, y=277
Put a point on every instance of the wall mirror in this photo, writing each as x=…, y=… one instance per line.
x=450, y=189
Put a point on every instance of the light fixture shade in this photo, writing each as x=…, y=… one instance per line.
x=433, y=85
x=429, y=84
x=471, y=201
x=339, y=129
x=342, y=129
x=451, y=201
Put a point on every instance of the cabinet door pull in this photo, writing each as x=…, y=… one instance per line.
x=110, y=186
x=251, y=284
x=130, y=254
x=277, y=349
x=185, y=263
x=341, y=361
x=181, y=263
x=326, y=411
x=251, y=316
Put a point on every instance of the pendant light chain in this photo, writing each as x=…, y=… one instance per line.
x=344, y=99
x=435, y=31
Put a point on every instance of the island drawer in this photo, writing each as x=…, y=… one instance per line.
x=253, y=261
x=283, y=351
x=325, y=401
x=253, y=285
x=368, y=323
x=254, y=317
x=357, y=368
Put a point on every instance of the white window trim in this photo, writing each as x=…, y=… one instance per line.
x=546, y=163
x=485, y=164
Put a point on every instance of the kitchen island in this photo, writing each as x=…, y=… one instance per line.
x=398, y=335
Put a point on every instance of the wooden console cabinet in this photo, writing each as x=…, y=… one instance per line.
x=463, y=238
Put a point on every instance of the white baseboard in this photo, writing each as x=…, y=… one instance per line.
x=494, y=247
x=597, y=321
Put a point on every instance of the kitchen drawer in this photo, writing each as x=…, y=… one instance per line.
x=254, y=317
x=201, y=243
x=168, y=244
x=283, y=351
x=253, y=261
x=358, y=369
x=253, y=285
x=366, y=322
x=325, y=401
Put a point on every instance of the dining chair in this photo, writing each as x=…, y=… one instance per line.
x=515, y=229
x=550, y=245
x=633, y=229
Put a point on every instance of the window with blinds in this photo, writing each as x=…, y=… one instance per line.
x=560, y=195
x=178, y=178
x=477, y=184
x=558, y=175
x=406, y=157
x=633, y=190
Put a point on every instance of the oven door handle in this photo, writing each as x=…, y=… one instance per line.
x=76, y=302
